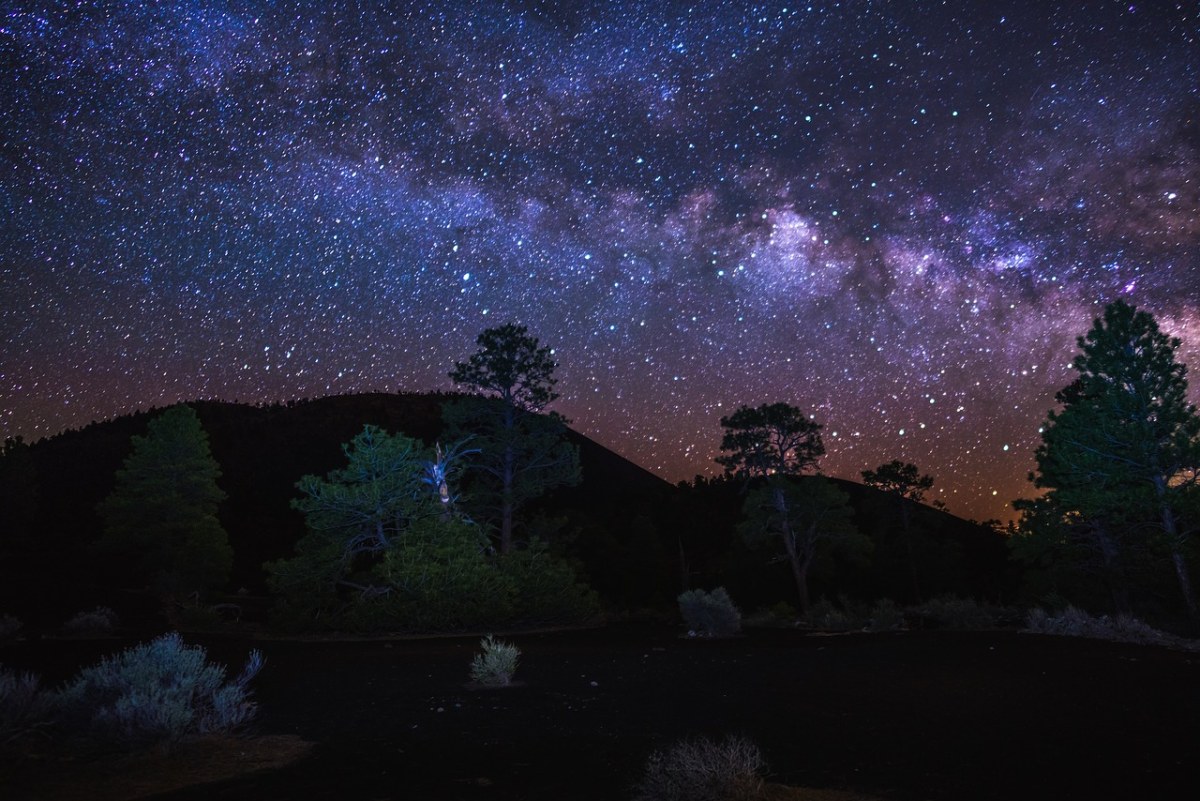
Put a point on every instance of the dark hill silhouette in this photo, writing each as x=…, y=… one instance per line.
x=262, y=450
x=954, y=556
x=637, y=539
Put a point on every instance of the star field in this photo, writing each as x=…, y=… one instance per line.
x=896, y=215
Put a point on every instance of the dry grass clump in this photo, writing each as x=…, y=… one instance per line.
x=704, y=770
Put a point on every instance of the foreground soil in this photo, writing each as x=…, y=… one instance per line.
x=914, y=715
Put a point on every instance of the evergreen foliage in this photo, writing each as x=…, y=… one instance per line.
x=18, y=496
x=510, y=365
x=905, y=483
x=162, y=513
x=771, y=439
x=1119, y=459
x=387, y=549
x=522, y=453
x=441, y=577
x=545, y=587
x=805, y=518
x=902, y=479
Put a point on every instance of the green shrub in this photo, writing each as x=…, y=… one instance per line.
x=827, y=616
x=497, y=664
x=98, y=622
x=785, y=613
x=546, y=588
x=710, y=614
x=157, y=692
x=703, y=770
x=439, y=577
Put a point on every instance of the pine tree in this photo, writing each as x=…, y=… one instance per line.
x=770, y=446
x=162, y=513
x=772, y=439
x=804, y=517
x=904, y=482
x=522, y=452
x=1121, y=455
x=356, y=514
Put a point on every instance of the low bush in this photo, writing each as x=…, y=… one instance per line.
x=885, y=616
x=780, y=615
x=497, y=663
x=157, y=692
x=546, y=589
x=952, y=612
x=10, y=627
x=98, y=622
x=710, y=614
x=844, y=616
x=1075, y=622
x=703, y=770
x=24, y=706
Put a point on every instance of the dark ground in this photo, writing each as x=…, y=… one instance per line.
x=917, y=715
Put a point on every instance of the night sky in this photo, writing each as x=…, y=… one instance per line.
x=897, y=216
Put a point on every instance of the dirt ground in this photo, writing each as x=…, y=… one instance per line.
x=913, y=715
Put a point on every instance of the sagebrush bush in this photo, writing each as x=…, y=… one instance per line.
x=10, y=627
x=157, y=692
x=1075, y=622
x=711, y=614
x=497, y=663
x=827, y=616
x=703, y=770
x=952, y=612
x=98, y=621
x=885, y=616
x=24, y=705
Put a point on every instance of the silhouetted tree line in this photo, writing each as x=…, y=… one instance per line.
x=440, y=510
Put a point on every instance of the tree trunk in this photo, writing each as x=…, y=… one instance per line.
x=905, y=512
x=800, y=574
x=1114, y=574
x=685, y=574
x=799, y=565
x=1177, y=558
x=506, y=502
x=1185, y=582
x=1171, y=529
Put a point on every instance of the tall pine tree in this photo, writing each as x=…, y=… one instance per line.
x=770, y=446
x=522, y=452
x=162, y=513
x=1121, y=455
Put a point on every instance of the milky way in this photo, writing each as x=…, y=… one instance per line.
x=897, y=216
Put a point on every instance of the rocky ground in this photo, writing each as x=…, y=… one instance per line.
x=912, y=715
